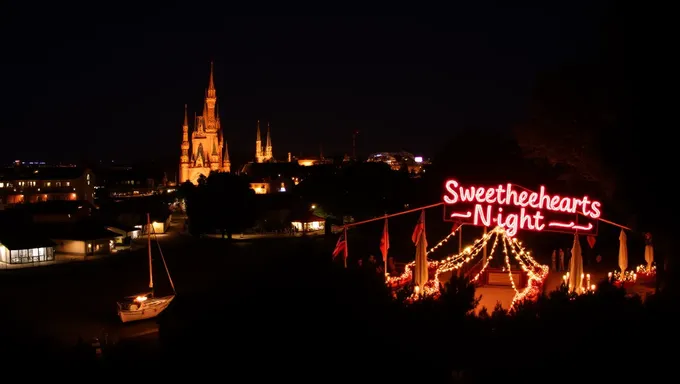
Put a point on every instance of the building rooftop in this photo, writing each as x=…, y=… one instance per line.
x=54, y=207
x=24, y=239
x=42, y=173
x=76, y=231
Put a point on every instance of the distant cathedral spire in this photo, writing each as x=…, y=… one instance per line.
x=259, y=155
x=268, y=148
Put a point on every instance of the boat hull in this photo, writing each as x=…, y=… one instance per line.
x=151, y=308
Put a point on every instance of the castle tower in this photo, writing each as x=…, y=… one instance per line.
x=259, y=155
x=205, y=149
x=268, y=149
x=209, y=113
x=184, y=159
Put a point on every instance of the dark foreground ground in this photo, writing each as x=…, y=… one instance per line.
x=277, y=309
x=74, y=300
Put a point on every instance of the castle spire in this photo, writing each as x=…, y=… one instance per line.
x=226, y=164
x=184, y=158
x=259, y=154
x=186, y=118
x=268, y=148
x=211, y=83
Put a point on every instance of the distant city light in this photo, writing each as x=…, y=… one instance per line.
x=419, y=159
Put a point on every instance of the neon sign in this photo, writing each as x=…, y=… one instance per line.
x=516, y=208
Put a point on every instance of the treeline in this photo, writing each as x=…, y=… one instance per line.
x=222, y=201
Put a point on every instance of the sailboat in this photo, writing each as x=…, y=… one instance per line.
x=146, y=305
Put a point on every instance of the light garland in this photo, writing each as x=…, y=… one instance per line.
x=631, y=277
x=536, y=271
x=642, y=270
x=507, y=264
x=444, y=240
x=488, y=260
x=431, y=287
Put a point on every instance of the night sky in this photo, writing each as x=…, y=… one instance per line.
x=112, y=83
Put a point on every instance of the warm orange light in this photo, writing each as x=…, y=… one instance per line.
x=140, y=298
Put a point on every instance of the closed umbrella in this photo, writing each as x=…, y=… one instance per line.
x=623, y=252
x=420, y=274
x=649, y=251
x=575, y=267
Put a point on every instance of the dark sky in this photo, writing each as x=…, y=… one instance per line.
x=112, y=82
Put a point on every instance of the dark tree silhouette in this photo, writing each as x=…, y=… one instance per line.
x=577, y=121
x=360, y=190
x=222, y=202
x=232, y=203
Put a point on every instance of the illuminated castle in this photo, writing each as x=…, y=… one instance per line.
x=207, y=150
x=263, y=155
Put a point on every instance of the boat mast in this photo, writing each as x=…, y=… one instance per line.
x=148, y=237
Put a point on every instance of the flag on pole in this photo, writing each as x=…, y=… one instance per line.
x=419, y=229
x=385, y=242
x=591, y=241
x=340, y=246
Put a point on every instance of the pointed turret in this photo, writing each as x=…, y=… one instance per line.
x=226, y=163
x=186, y=117
x=184, y=158
x=268, y=148
x=259, y=155
x=209, y=108
x=211, y=83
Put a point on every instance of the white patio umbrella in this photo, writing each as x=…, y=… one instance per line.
x=420, y=274
x=623, y=252
x=575, y=266
x=649, y=251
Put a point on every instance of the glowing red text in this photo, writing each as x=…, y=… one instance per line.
x=489, y=202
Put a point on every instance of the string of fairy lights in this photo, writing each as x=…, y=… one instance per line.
x=631, y=276
x=512, y=249
x=535, y=271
